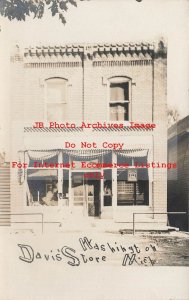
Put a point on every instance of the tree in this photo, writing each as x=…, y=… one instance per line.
x=20, y=9
x=172, y=115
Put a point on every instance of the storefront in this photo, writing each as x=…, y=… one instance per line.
x=72, y=111
x=86, y=182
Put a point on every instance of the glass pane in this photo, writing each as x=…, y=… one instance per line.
x=78, y=189
x=132, y=193
x=107, y=158
x=42, y=187
x=142, y=197
x=124, y=160
x=107, y=187
x=86, y=163
x=119, y=112
x=56, y=90
x=119, y=91
x=125, y=193
x=140, y=160
x=65, y=187
x=39, y=163
x=142, y=174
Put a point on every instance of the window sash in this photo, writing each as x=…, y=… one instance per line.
x=119, y=99
x=119, y=92
x=119, y=111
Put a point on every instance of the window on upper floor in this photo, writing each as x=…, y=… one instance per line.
x=56, y=98
x=119, y=102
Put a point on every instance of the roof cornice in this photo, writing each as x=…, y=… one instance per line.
x=90, y=50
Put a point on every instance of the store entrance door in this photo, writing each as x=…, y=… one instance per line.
x=86, y=193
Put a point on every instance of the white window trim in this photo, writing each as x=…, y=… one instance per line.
x=119, y=79
x=58, y=102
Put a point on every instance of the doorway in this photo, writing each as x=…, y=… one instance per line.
x=86, y=193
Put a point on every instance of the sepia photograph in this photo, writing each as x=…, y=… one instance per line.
x=94, y=150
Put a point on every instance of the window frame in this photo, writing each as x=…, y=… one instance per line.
x=60, y=179
x=119, y=80
x=135, y=185
x=46, y=102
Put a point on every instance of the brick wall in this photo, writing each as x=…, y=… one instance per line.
x=97, y=89
x=160, y=134
x=28, y=92
x=90, y=87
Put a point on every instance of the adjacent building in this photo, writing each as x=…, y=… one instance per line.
x=178, y=179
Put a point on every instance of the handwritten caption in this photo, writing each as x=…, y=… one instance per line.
x=91, y=252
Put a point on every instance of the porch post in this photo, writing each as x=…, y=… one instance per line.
x=150, y=179
x=70, y=193
x=114, y=184
x=101, y=196
x=60, y=179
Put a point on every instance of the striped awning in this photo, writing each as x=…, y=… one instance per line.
x=42, y=155
x=25, y=156
x=133, y=153
x=87, y=154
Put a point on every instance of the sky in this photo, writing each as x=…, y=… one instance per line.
x=108, y=21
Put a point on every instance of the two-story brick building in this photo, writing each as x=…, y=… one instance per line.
x=77, y=171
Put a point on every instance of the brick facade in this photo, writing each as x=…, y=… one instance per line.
x=88, y=70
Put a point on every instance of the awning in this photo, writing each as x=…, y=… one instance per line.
x=42, y=155
x=24, y=156
x=134, y=153
x=87, y=153
x=47, y=154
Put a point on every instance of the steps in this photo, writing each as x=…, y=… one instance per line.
x=5, y=195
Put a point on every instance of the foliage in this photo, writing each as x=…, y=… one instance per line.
x=173, y=116
x=20, y=9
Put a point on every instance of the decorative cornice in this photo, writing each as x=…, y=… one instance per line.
x=74, y=55
x=121, y=63
x=91, y=51
x=66, y=64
